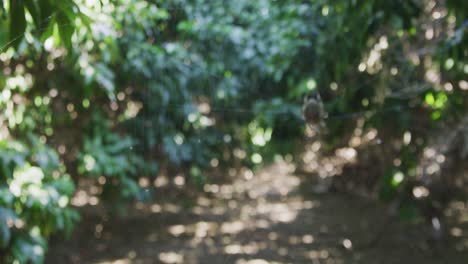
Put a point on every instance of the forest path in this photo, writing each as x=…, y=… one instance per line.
x=269, y=217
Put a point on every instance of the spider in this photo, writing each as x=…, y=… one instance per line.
x=314, y=111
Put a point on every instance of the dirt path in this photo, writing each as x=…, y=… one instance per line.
x=264, y=218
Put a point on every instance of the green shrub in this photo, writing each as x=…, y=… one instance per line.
x=35, y=194
x=111, y=156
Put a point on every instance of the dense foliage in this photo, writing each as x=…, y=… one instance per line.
x=113, y=91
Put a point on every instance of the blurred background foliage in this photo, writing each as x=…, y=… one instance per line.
x=116, y=91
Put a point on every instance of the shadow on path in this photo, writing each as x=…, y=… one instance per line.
x=264, y=218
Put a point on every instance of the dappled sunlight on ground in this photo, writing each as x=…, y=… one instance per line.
x=270, y=216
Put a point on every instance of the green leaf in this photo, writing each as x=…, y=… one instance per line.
x=17, y=22
x=65, y=28
x=45, y=11
x=71, y=217
x=33, y=9
x=5, y=233
x=26, y=249
x=129, y=187
x=2, y=9
x=86, y=20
